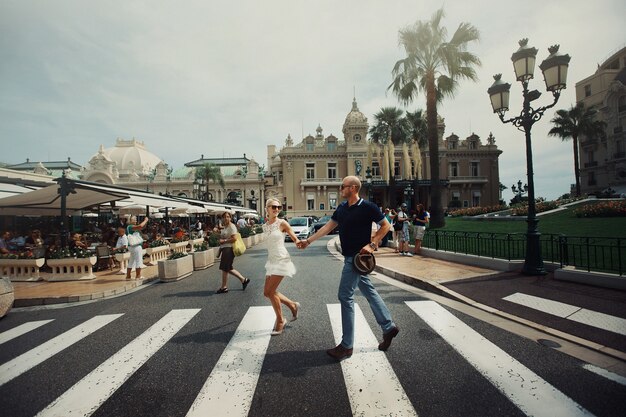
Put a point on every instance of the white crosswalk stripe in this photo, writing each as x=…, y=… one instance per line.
x=28, y=360
x=21, y=329
x=527, y=390
x=84, y=398
x=229, y=389
x=373, y=387
x=570, y=312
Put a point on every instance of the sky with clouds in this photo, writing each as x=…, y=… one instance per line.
x=227, y=78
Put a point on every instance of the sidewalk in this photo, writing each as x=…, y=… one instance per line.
x=106, y=284
x=590, y=316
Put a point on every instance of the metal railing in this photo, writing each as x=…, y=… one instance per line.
x=599, y=254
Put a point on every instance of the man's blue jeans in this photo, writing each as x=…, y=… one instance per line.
x=350, y=279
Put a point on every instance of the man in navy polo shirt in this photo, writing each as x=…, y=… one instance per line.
x=355, y=216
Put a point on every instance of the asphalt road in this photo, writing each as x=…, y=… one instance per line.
x=151, y=352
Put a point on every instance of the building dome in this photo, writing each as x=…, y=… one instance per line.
x=355, y=118
x=131, y=156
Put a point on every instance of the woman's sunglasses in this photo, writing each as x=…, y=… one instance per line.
x=276, y=207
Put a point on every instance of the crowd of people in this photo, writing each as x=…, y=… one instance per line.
x=404, y=223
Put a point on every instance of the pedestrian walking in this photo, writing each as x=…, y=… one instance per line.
x=227, y=236
x=136, y=252
x=278, y=264
x=355, y=216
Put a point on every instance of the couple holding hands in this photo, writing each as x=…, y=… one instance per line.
x=355, y=215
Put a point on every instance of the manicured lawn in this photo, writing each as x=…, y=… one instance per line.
x=563, y=222
x=597, y=243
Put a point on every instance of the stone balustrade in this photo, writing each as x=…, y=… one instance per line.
x=71, y=269
x=157, y=254
x=21, y=269
x=180, y=247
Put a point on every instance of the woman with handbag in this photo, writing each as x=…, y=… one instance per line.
x=278, y=264
x=228, y=235
x=135, y=242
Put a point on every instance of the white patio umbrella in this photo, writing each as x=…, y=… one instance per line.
x=136, y=209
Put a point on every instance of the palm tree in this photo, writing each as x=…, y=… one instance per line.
x=210, y=172
x=434, y=66
x=572, y=123
x=419, y=134
x=389, y=129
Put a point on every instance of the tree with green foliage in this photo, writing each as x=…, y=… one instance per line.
x=433, y=65
x=571, y=124
x=210, y=172
x=389, y=129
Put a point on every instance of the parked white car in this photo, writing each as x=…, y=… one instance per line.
x=302, y=227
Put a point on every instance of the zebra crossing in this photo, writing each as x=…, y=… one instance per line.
x=371, y=384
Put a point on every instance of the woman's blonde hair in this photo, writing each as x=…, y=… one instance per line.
x=269, y=200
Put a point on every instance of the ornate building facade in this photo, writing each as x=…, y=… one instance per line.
x=306, y=176
x=130, y=164
x=603, y=160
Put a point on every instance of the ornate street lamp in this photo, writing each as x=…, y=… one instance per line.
x=519, y=190
x=554, y=69
x=368, y=183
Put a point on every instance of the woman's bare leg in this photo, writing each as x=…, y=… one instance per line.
x=270, y=291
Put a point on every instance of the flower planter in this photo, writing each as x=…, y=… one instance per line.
x=195, y=242
x=122, y=258
x=21, y=269
x=180, y=247
x=247, y=241
x=203, y=259
x=6, y=296
x=175, y=269
x=71, y=269
x=157, y=254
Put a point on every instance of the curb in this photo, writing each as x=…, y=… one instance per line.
x=32, y=302
x=446, y=292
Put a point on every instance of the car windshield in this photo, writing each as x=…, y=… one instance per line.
x=324, y=219
x=298, y=221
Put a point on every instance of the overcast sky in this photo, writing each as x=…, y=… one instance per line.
x=227, y=78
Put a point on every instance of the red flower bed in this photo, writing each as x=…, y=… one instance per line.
x=475, y=211
x=602, y=209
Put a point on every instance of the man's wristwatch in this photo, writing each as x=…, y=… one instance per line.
x=373, y=245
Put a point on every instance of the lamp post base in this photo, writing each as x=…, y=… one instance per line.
x=533, y=263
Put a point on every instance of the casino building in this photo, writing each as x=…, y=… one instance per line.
x=306, y=175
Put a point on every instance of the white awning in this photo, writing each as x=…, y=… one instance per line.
x=47, y=201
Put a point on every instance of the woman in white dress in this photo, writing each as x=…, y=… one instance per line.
x=136, y=252
x=278, y=264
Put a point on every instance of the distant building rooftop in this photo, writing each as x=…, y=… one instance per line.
x=218, y=161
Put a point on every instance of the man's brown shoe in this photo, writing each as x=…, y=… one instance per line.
x=387, y=337
x=339, y=352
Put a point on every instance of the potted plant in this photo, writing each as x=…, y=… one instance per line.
x=246, y=233
x=194, y=240
x=157, y=250
x=202, y=257
x=71, y=265
x=214, y=244
x=21, y=266
x=177, y=266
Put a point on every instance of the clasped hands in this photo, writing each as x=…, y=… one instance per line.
x=302, y=244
